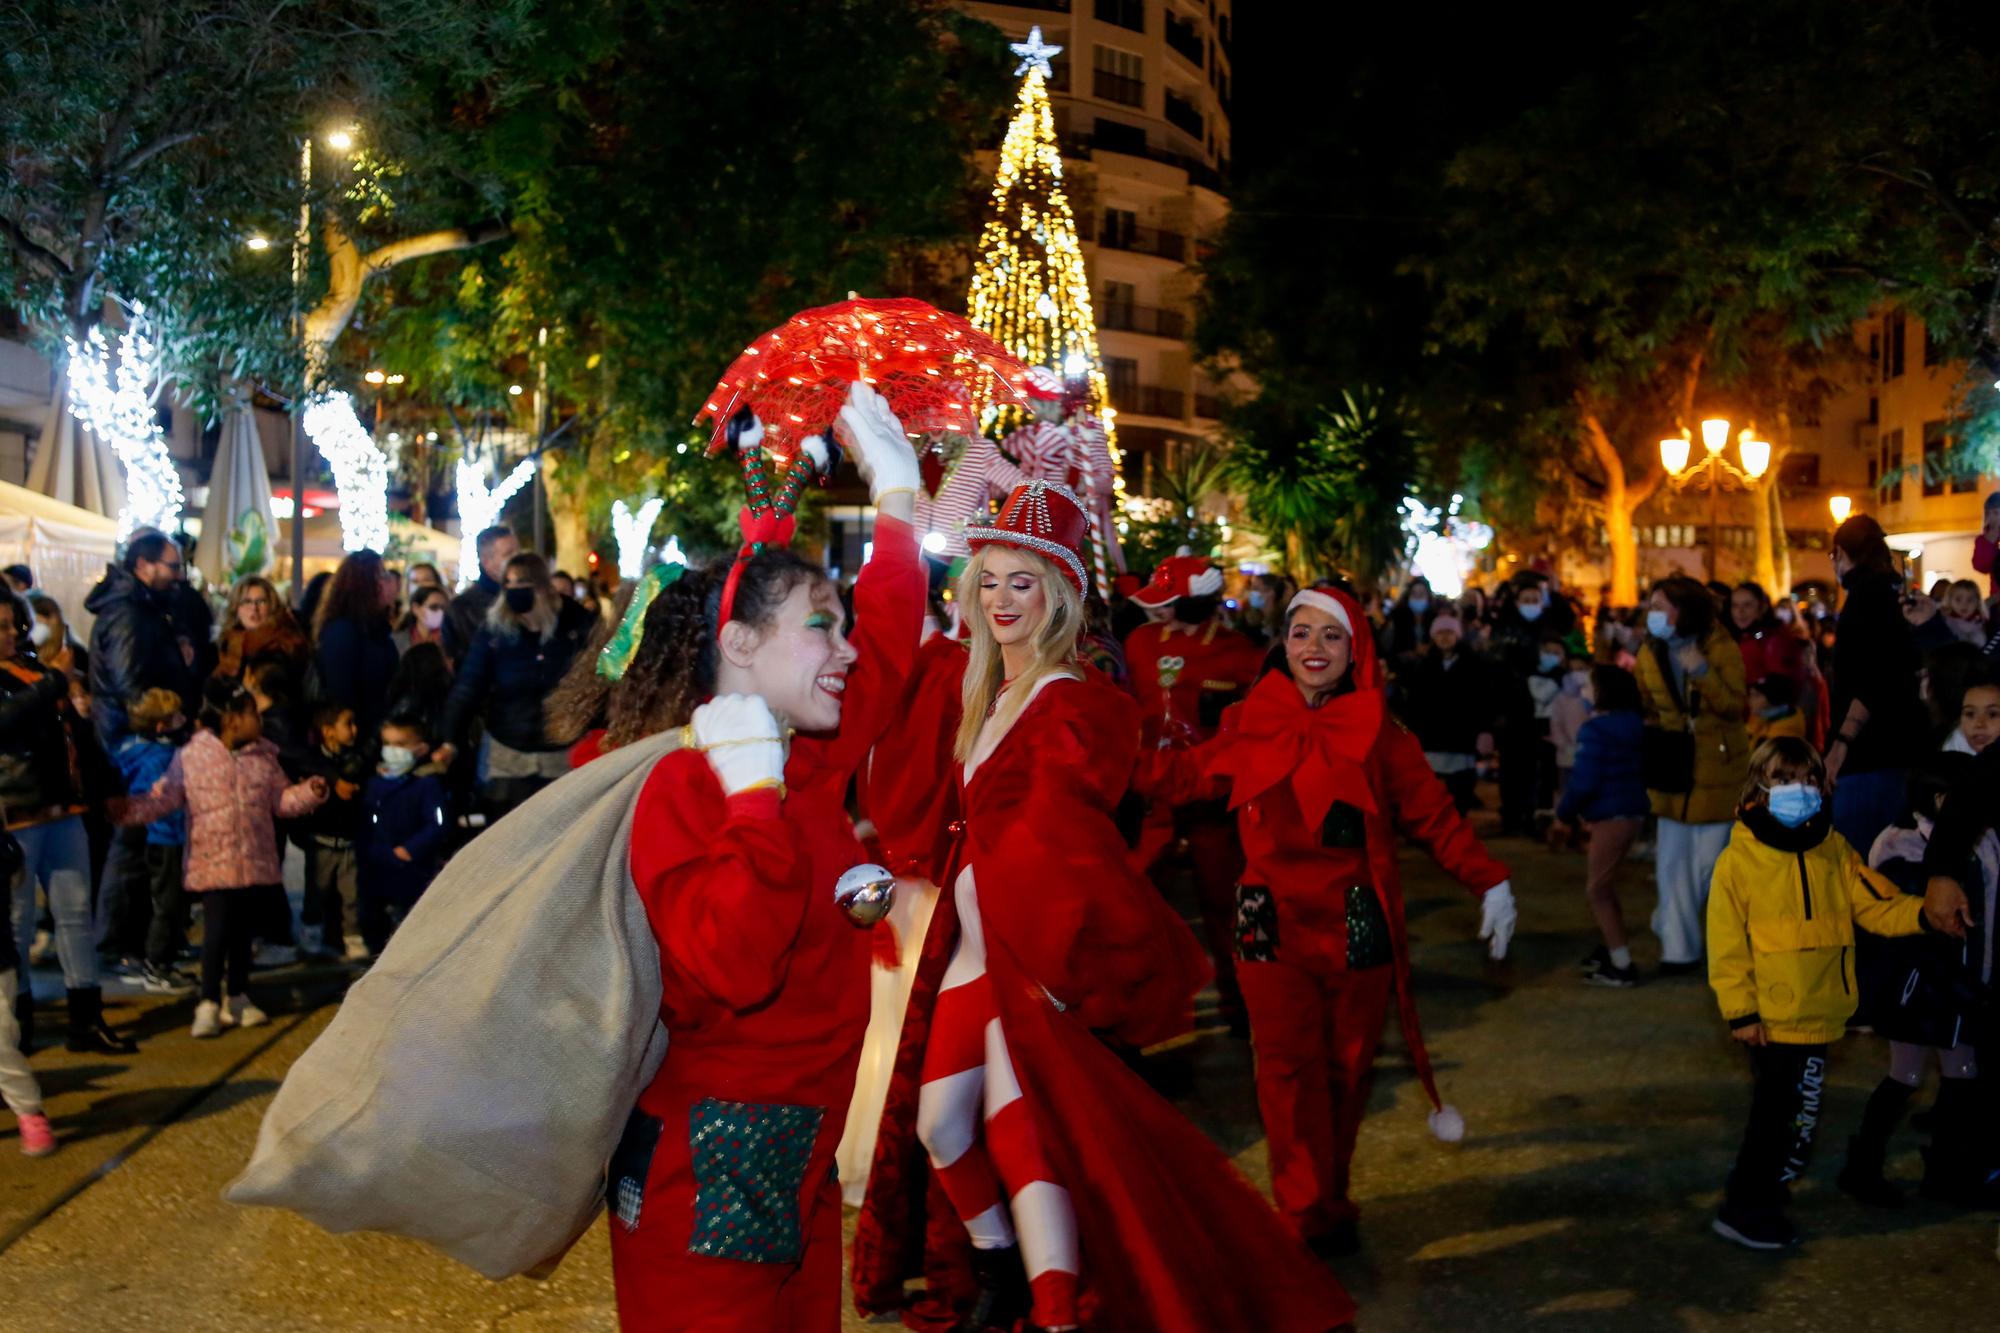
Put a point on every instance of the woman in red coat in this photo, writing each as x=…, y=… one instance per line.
x=1088, y=1201
x=724, y=1210
x=1322, y=780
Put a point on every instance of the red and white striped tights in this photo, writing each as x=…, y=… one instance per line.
x=967, y=1071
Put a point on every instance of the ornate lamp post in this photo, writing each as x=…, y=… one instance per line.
x=1715, y=472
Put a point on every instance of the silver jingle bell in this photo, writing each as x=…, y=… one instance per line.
x=866, y=893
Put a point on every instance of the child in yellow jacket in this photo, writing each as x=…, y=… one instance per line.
x=1782, y=907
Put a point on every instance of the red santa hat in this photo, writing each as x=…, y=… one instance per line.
x=1180, y=576
x=1044, y=517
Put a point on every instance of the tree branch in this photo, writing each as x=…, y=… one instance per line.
x=433, y=243
x=141, y=156
x=43, y=258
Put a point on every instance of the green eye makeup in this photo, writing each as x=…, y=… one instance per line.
x=819, y=620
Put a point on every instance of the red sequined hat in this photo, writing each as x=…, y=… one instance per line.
x=1044, y=517
x=1180, y=576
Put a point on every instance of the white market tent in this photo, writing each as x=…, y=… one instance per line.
x=66, y=546
x=414, y=544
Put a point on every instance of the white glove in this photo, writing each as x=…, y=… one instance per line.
x=881, y=451
x=1496, y=918
x=740, y=736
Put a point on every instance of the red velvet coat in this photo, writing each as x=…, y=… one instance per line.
x=764, y=979
x=1282, y=765
x=1173, y=1239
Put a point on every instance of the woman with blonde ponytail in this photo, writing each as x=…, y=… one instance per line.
x=1044, y=940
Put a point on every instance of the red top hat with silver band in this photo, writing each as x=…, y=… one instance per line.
x=1044, y=517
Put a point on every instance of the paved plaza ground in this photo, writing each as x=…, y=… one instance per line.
x=1601, y=1125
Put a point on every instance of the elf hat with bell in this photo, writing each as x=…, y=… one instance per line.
x=1180, y=576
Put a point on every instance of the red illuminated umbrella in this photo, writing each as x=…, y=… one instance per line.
x=931, y=368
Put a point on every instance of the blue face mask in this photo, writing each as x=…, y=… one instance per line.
x=1658, y=625
x=1530, y=611
x=1550, y=661
x=1793, y=803
x=1420, y=604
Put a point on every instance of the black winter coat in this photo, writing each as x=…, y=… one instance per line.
x=1876, y=661
x=135, y=646
x=1448, y=708
x=355, y=661
x=40, y=760
x=504, y=679
x=467, y=616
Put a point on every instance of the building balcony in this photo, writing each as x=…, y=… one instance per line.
x=1186, y=116
x=1143, y=319
x=1124, y=13
x=1087, y=146
x=1148, y=400
x=1136, y=240
x=1117, y=88
x=1049, y=6
x=1207, y=406
x=1184, y=38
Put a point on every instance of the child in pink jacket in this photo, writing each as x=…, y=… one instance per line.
x=227, y=777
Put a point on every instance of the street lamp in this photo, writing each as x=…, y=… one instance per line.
x=340, y=140
x=1715, y=471
x=1840, y=507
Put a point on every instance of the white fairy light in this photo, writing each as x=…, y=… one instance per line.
x=1442, y=546
x=479, y=508
x=1035, y=53
x=631, y=528
x=117, y=406
x=360, y=470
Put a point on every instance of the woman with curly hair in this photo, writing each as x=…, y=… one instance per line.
x=726, y=1212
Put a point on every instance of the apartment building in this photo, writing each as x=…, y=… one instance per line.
x=1141, y=94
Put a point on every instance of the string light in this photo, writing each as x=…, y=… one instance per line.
x=479, y=508
x=630, y=529
x=360, y=470
x=117, y=405
x=1442, y=546
x=1030, y=288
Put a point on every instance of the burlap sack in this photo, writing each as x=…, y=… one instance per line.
x=475, y=1082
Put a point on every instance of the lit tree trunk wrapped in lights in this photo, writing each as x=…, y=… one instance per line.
x=1030, y=289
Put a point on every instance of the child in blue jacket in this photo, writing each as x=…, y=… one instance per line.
x=143, y=757
x=1607, y=791
x=405, y=812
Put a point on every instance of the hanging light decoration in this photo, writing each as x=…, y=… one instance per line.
x=479, y=508
x=631, y=528
x=116, y=404
x=360, y=470
x=1442, y=547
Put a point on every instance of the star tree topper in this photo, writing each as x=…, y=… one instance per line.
x=1035, y=53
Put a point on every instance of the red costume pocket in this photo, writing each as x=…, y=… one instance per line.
x=749, y=1163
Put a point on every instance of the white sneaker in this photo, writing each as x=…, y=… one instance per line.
x=207, y=1019
x=242, y=1013
x=357, y=949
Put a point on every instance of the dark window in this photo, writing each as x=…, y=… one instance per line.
x=1935, y=446
x=1892, y=346
x=1874, y=410
x=1121, y=376
x=1892, y=467
x=1184, y=36
x=1120, y=226
x=1875, y=350
x=1799, y=472
x=1117, y=137
x=1874, y=474
x=1119, y=76
x=1185, y=114
x=1121, y=300
x=1933, y=347
x=1125, y=13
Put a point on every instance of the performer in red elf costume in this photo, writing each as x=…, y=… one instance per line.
x=1186, y=668
x=724, y=1210
x=1322, y=780
x=1089, y=1201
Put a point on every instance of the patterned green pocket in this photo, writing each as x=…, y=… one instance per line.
x=749, y=1164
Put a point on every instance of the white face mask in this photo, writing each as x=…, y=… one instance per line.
x=431, y=617
x=398, y=760
x=39, y=634
x=1784, y=614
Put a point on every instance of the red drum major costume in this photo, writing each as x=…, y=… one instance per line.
x=1322, y=780
x=1089, y=1201
x=725, y=1214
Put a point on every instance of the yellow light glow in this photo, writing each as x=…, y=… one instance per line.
x=1714, y=434
x=1840, y=507
x=1674, y=454
x=376, y=377
x=516, y=390
x=257, y=242
x=1756, y=455
x=340, y=140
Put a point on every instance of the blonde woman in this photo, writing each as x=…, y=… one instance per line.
x=1044, y=941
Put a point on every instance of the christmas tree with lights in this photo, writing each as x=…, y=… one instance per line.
x=1029, y=286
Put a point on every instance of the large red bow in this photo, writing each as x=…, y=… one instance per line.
x=1323, y=751
x=773, y=527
